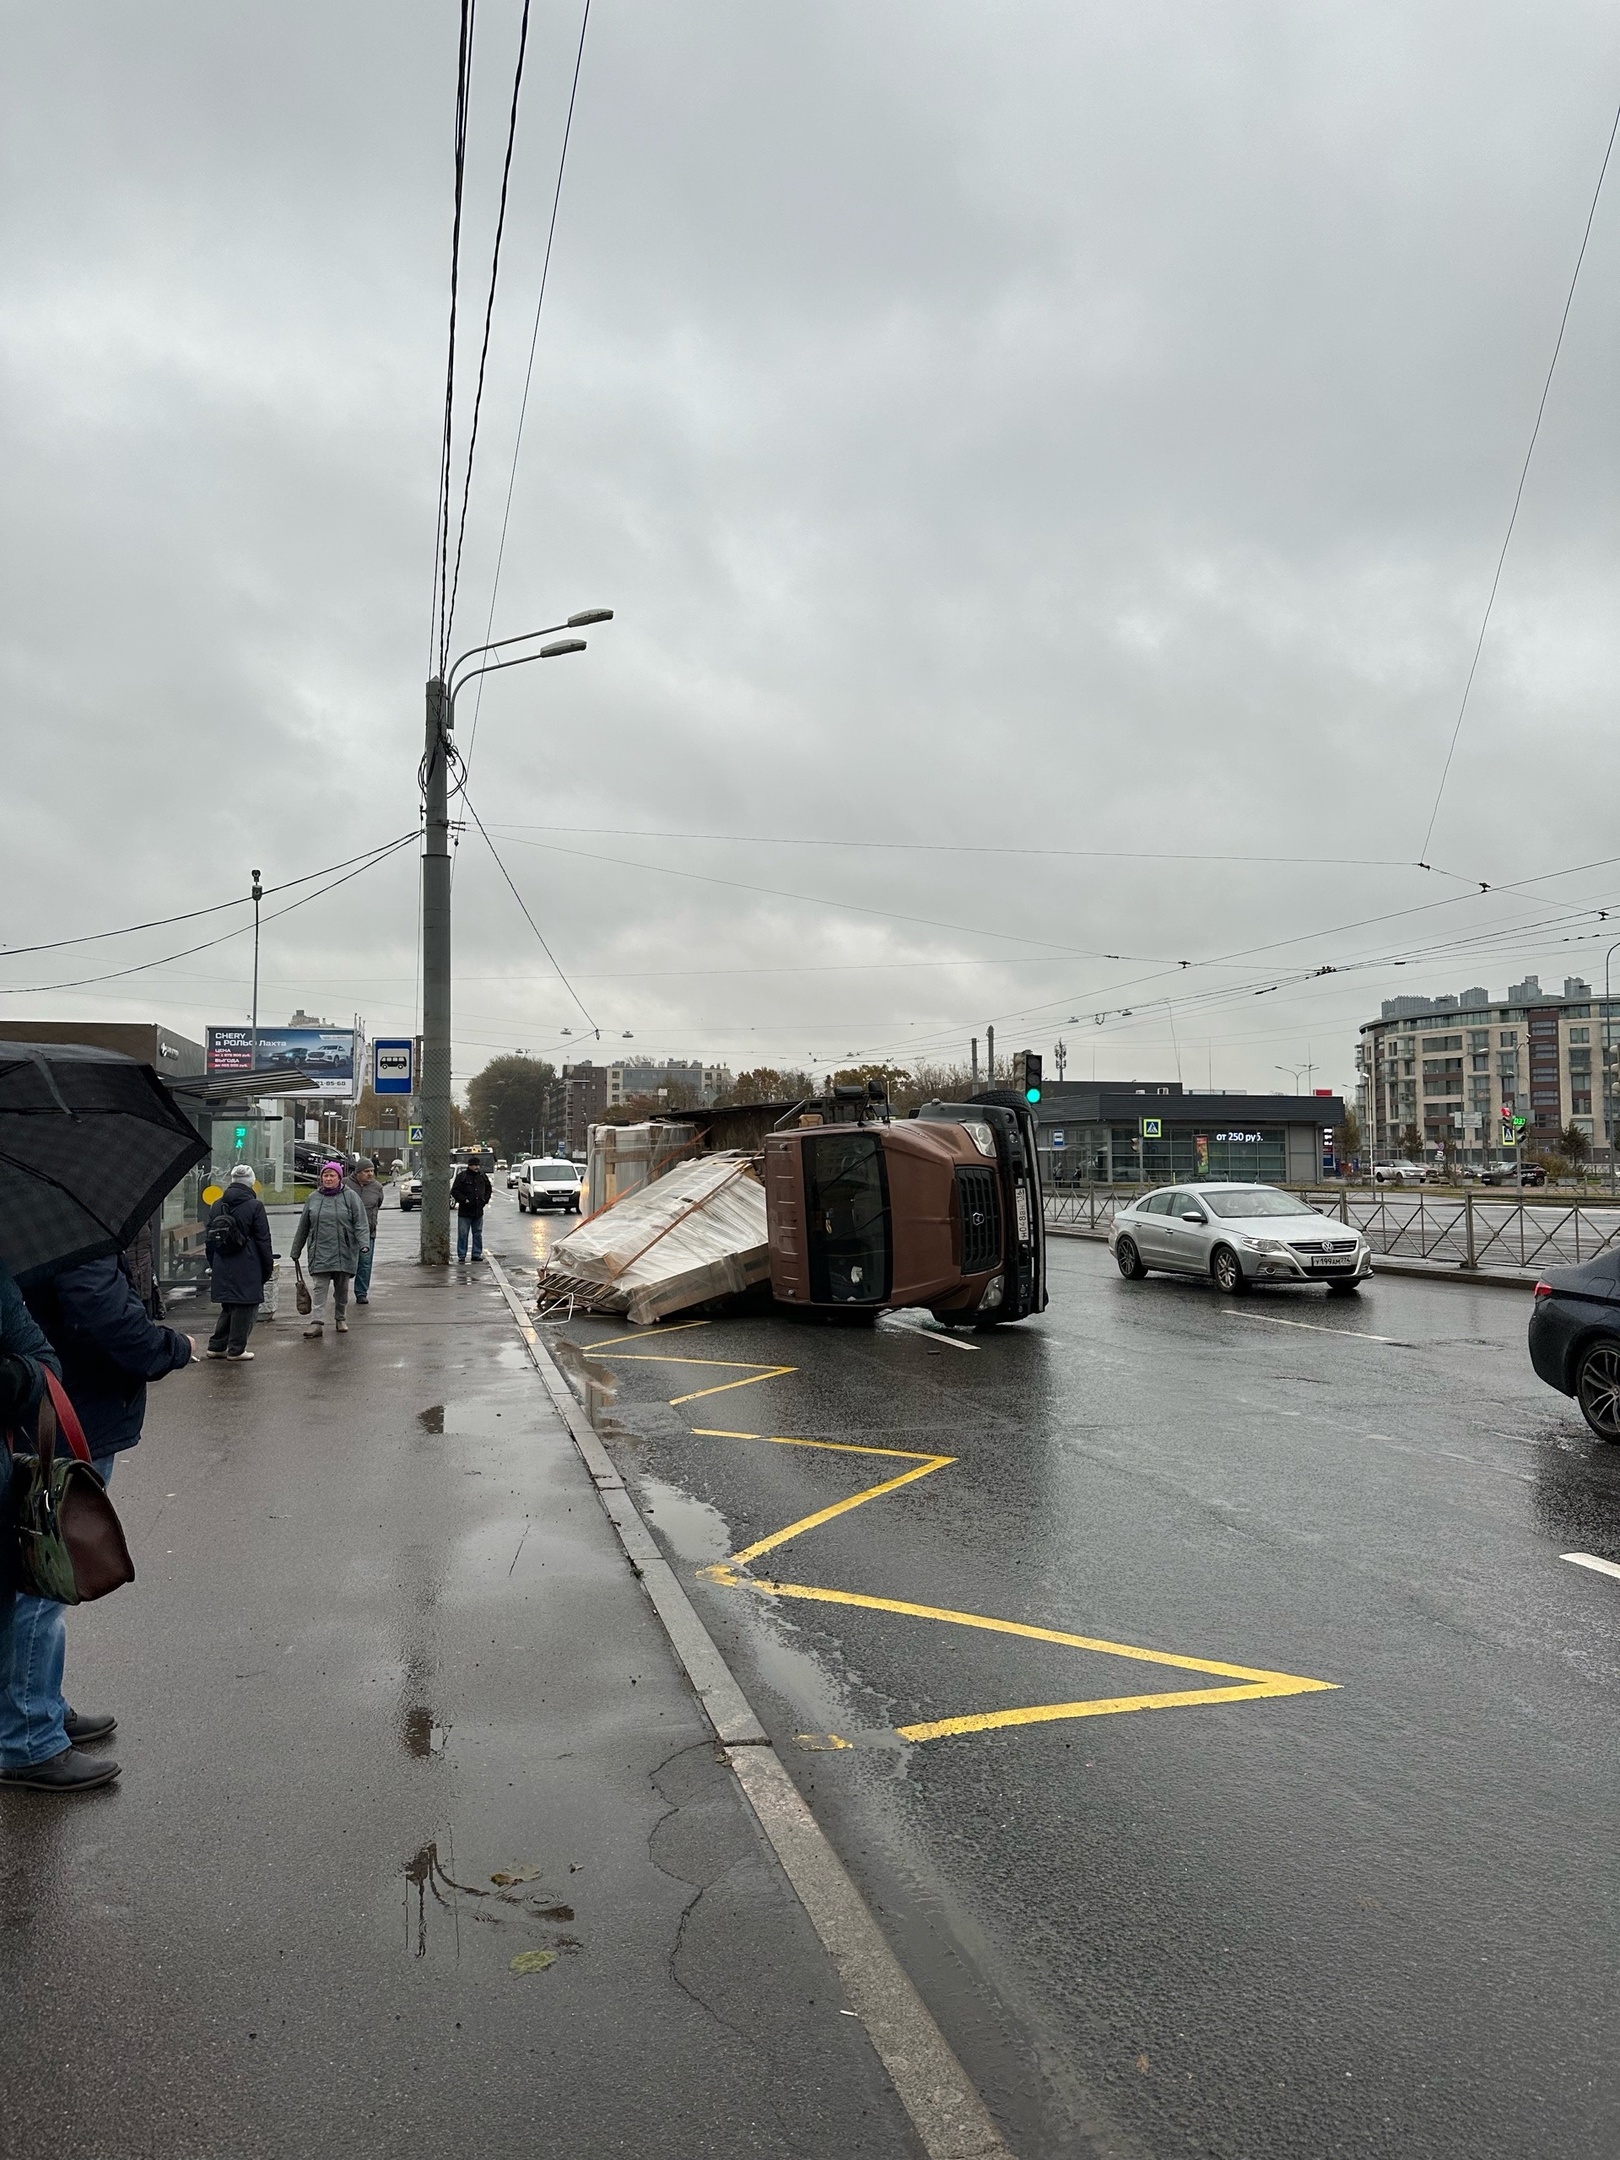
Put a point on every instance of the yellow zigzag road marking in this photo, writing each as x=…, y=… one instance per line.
x=1248, y=1683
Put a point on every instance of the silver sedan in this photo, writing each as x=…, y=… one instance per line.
x=1239, y=1235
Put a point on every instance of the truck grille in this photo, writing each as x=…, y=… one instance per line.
x=980, y=1200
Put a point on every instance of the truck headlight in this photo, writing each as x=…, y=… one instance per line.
x=993, y=1289
x=981, y=1136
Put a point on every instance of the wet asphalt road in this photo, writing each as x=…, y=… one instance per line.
x=1379, y=1919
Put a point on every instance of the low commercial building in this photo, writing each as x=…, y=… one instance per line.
x=1437, y=1073
x=1141, y=1132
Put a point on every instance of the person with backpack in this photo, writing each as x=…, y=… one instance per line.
x=240, y=1263
x=333, y=1226
x=470, y=1192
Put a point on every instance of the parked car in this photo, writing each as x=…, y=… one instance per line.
x=1401, y=1173
x=1238, y=1235
x=546, y=1184
x=410, y=1194
x=1507, y=1174
x=1575, y=1338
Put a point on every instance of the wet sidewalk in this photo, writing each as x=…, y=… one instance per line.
x=422, y=1841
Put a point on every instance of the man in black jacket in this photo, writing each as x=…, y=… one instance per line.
x=470, y=1192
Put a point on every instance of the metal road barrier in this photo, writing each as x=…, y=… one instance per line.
x=1464, y=1232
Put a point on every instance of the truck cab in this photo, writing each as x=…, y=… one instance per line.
x=940, y=1210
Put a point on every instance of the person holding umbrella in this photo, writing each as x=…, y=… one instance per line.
x=89, y=1144
x=58, y=1765
x=334, y=1228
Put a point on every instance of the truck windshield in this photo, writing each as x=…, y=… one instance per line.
x=847, y=1211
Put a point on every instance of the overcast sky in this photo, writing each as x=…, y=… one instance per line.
x=1063, y=427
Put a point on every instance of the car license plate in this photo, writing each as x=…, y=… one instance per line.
x=1333, y=1260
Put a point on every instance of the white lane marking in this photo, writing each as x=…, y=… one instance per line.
x=1591, y=1560
x=1315, y=1327
x=939, y=1335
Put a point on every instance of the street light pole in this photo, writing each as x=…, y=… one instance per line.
x=438, y=750
x=258, y=895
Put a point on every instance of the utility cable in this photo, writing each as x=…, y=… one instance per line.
x=142, y=967
x=528, y=918
x=528, y=374
x=162, y=922
x=438, y=631
x=489, y=318
x=1518, y=497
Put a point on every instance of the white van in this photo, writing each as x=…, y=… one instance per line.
x=549, y=1183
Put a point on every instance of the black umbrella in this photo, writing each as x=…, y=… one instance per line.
x=89, y=1144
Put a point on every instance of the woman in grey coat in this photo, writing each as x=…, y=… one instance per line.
x=334, y=1230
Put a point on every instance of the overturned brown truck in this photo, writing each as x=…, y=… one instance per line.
x=862, y=1213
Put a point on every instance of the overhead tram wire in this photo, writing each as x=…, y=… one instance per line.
x=1518, y=497
x=524, y=905
x=489, y=317
x=142, y=967
x=438, y=628
x=528, y=373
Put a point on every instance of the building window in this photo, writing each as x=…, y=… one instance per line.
x=1508, y=1038
x=1580, y=1105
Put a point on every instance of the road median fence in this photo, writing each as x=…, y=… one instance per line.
x=1465, y=1231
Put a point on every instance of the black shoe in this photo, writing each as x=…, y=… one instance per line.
x=69, y=1772
x=88, y=1725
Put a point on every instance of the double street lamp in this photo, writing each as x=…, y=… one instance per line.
x=1608, y=1067
x=434, y=1080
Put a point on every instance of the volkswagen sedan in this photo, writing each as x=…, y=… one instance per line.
x=1237, y=1235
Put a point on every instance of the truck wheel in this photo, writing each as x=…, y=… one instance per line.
x=1129, y=1260
x=1597, y=1389
x=1227, y=1270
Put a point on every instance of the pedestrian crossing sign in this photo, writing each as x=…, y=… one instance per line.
x=1152, y=1128
x=414, y=1133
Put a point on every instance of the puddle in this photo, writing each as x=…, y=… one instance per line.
x=431, y=1419
x=420, y=1735
x=595, y=1384
x=499, y=1901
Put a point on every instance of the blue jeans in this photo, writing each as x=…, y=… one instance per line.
x=362, y=1276
x=470, y=1226
x=33, y=1651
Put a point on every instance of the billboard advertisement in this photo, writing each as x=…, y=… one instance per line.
x=324, y=1055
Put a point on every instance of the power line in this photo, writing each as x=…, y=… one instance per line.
x=1563, y=325
x=489, y=317
x=142, y=967
x=522, y=903
x=162, y=922
x=437, y=626
x=528, y=373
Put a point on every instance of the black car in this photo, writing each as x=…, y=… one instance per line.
x=1575, y=1338
x=1506, y=1174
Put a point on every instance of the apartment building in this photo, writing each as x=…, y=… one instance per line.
x=1448, y=1066
x=697, y=1083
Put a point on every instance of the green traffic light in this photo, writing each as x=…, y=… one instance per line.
x=1032, y=1094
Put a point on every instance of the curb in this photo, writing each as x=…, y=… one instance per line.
x=1443, y=1271
x=946, y=2111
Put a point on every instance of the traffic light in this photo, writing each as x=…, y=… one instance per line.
x=1027, y=1074
x=241, y=1138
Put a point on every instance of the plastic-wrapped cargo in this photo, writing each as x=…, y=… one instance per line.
x=695, y=1234
x=622, y=1158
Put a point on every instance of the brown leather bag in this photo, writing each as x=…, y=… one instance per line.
x=69, y=1543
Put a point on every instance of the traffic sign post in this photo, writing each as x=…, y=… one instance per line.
x=393, y=1066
